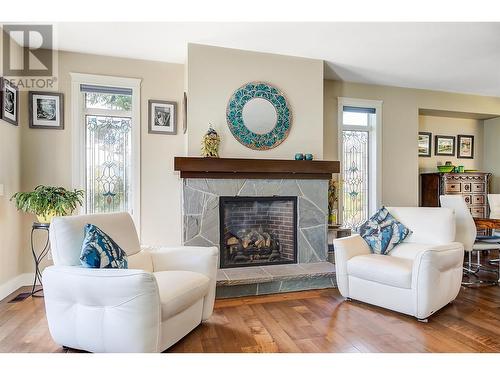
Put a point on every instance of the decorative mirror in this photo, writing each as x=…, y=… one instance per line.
x=258, y=116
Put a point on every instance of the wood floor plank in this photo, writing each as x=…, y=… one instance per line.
x=309, y=322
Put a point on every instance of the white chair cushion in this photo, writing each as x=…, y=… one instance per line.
x=383, y=269
x=407, y=250
x=438, y=227
x=141, y=261
x=67, y=233
x=179, y=290
x=486, y=246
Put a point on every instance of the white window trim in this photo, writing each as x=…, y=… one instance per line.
x=78, y=133
x=374, y=149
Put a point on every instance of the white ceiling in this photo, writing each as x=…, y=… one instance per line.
x=459, y=57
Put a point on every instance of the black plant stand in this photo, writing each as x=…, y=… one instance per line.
x=38, y=258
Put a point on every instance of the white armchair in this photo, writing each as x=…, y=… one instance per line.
x=165, y=293
x=418, y=277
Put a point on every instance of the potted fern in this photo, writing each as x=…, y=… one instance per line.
x=48, y=201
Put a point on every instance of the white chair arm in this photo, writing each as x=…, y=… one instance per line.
x=345, y=249
x=433, y=266
x=185, y=258
x=103, y=310
x=441, y=257
x=189, y=258
x=348, y=247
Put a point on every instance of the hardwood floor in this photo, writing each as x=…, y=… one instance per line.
x=312, y=321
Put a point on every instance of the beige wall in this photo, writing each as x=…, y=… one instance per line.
x=492, y=152
x=47, y=153
x=10, y=219
x=215, y=73
x=11, y=253
x=399, y=129
x=452, y=127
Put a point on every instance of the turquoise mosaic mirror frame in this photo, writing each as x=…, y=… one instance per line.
x=242, y=133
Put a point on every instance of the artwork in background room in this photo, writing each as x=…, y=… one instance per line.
x=46, y=110
x=465, y=146
x=162, y=117
x=9, y=102
x=444, y=145
x=424, y=144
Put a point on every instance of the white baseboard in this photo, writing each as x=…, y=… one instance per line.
x=15, y=283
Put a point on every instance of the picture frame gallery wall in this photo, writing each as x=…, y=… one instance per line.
x=461, y=146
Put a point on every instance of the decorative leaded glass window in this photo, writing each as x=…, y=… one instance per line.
x=357, y=125
x=108, y=156
x=355, y=177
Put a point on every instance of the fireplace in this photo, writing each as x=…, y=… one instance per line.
x=257, y=231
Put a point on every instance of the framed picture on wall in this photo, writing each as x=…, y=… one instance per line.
x=162, y=117
x=444, y=145
x=424, y=144
x=9, y=102
x=465, y=146
x=46, y=110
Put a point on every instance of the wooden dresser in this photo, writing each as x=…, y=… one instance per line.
x=474, y=187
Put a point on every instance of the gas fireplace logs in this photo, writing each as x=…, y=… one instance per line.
x=253, y=245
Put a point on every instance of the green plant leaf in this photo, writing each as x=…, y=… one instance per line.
x=48, y=199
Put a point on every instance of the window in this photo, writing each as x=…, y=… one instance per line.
x=359, y=146
x=108, y=131
x=106, y=145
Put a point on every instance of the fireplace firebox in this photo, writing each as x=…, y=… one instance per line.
x=257, y=231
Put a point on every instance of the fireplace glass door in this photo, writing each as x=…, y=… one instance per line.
x=257, y=231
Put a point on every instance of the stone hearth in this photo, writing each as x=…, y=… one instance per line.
x=235, y=282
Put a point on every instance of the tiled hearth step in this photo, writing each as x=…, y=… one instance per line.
x=248, y=281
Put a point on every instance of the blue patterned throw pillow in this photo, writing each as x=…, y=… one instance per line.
x=382, y=232
x=100, y=251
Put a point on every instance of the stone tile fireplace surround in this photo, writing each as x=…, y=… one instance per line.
x=201, y=227
x=304, y=182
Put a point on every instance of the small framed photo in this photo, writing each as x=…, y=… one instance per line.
x=9, y=102
x=162, y=117
x=444, y=145
x=424, y=144
x=465, y=146
x=46, y=110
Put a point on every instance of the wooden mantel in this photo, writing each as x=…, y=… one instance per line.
x=229, y=168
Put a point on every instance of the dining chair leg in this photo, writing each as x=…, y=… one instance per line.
x=469, y=264
x=473, y=272
x=495, y=262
